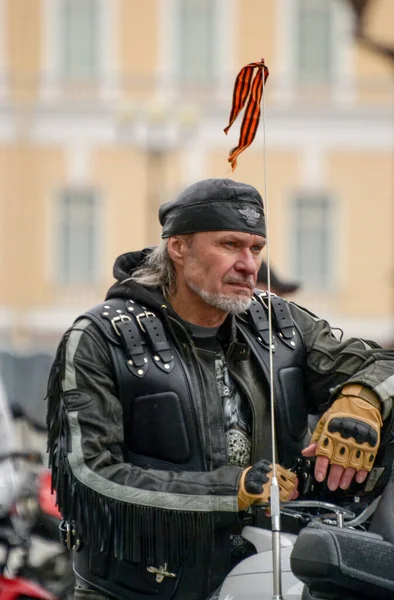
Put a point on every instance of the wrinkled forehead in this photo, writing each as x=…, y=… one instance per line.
x=238, y=236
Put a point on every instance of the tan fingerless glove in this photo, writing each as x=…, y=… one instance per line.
x=255, y=484
x=348, y=434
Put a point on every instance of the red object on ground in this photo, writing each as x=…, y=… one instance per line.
x=13, y=589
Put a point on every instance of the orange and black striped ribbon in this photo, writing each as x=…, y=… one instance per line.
x=247, y=87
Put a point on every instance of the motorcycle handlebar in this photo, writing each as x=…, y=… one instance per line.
x=311, y=504
x=31, y=457
x=340, y=512
x=320, y=504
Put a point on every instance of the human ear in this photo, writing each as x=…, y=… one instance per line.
x=177, y=248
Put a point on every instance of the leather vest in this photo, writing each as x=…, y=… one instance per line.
x=154, y=387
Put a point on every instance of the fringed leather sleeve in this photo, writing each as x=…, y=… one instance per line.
x=333, y=362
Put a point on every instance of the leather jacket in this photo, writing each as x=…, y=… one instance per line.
x=139, y=461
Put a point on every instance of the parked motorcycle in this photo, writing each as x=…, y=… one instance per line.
x=35, y=564
x=336, y=555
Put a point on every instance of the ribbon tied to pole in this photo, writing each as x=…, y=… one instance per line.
x=247, y=89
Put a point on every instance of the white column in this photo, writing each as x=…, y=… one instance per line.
x=167, y=30
x=49, y=89
x=285, y=34
x=225, y=49
x=344, y=83
x=109, y=49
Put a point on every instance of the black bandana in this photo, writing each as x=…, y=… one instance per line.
x=214, y=205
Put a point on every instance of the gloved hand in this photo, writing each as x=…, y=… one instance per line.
x=255, y=484
x=348, y=434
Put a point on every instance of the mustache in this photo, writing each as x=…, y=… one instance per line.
x=247, y=281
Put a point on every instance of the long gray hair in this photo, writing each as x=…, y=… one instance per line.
x=157, y=270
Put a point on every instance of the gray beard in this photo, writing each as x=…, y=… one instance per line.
x=229, y=304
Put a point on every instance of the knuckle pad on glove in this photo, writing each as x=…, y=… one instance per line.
x=349, y=427
x=257, y=477
x=255, y=485
x=369, y=458
x=325, y=446
x=340, y=455
x=356, y=459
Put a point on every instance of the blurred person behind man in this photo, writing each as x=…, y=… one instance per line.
x=279, y=286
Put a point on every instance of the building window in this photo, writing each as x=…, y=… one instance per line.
x=195, y=51
x=315, y=41
x=79, y=35
x=312, y=250
x=78, y=237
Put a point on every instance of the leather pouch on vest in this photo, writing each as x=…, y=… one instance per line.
x=120, y=579
x=289, y=365
x=143, y=357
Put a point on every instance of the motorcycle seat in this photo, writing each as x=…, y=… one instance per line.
x=344, y=563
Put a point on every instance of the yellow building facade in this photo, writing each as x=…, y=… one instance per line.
x=110, y=107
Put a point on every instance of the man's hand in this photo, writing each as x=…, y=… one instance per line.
x=255, y=484
x=347, y=437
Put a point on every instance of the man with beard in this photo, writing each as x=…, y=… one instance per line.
x=159, y=413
